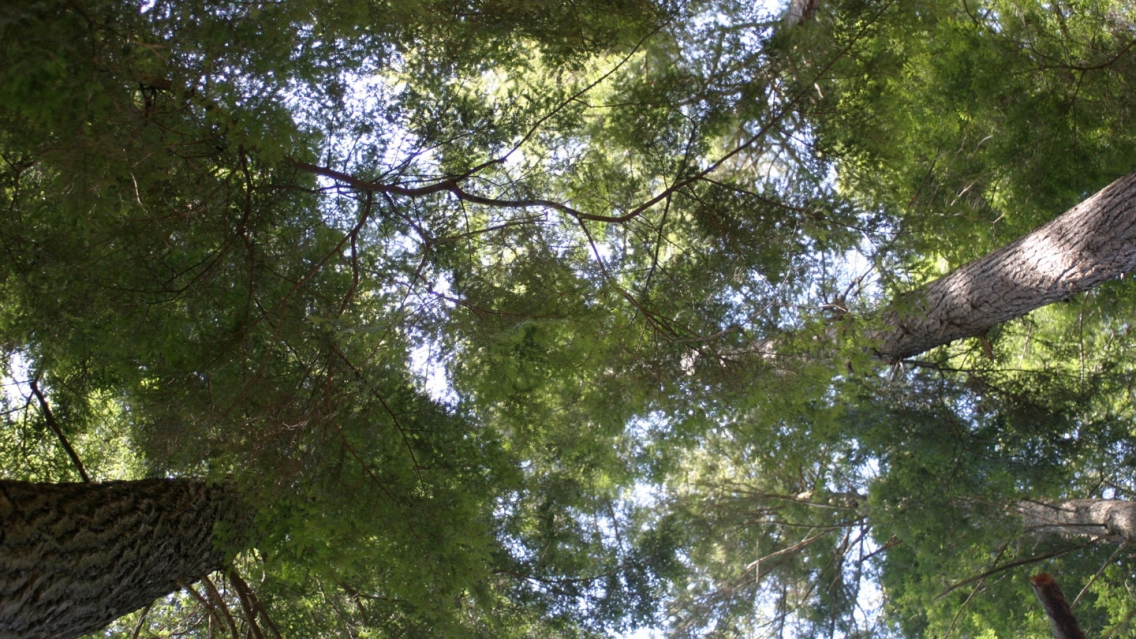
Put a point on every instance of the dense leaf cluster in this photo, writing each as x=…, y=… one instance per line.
x=518, y=318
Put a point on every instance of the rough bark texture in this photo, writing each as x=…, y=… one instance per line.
x=1092, y=243
x=1061, y=618
x=1110, y=519
x=74, y=557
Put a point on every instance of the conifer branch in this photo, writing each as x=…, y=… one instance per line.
x=1014, y=564
x=49, y=417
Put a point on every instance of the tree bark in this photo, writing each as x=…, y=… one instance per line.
x=74, y=557
x=1110, y=519
x=800, y=11
x=1093, y=242
x=1061, y=618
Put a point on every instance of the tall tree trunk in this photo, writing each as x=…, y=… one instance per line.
x=1092, y=243
x=74, y=557
x=1111, y=519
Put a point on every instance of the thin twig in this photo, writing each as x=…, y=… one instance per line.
x=573, y=98
x=1098, y=574
x=49, y=417
x=211, y=608
x=800, y=545
x=243, y=592
x=1014, y=564
x=973, y=592
x=453, y=187
x=141, y=621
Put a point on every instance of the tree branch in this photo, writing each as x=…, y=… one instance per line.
x=211, y=607
x=1014, y=564
x=250, y=603
x=452, y=186
x=49, y=417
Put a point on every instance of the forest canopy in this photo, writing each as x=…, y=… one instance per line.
x=519, y=318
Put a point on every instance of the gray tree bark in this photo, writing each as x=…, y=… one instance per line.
x=800, y=11
x=74, y=557
x=1092, y=243
x=1108, y=519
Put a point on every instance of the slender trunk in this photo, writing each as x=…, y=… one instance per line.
x=1111, y=519
x=1060, y=615
x=74, y=557
x=1092, y=243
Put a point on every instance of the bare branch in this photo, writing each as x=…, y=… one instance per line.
x=49, y=417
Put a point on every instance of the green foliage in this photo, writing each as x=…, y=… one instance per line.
x=524, y=318
x=983, y=120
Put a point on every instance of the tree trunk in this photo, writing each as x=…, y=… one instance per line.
x=1061, y=617
x=74, y=557
x=1092, y=243
x=1110, y=519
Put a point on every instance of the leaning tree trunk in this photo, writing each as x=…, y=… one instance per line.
x=1092, y=243
x=1108, y=519
x=74, y=557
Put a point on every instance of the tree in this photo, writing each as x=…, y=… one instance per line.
x=909, y=164
x=1090, y=244
x=1064, y=623
x=227, y=320
x=965, y=488
x=234, y=234
x=78, y=556
x=1111, y=519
